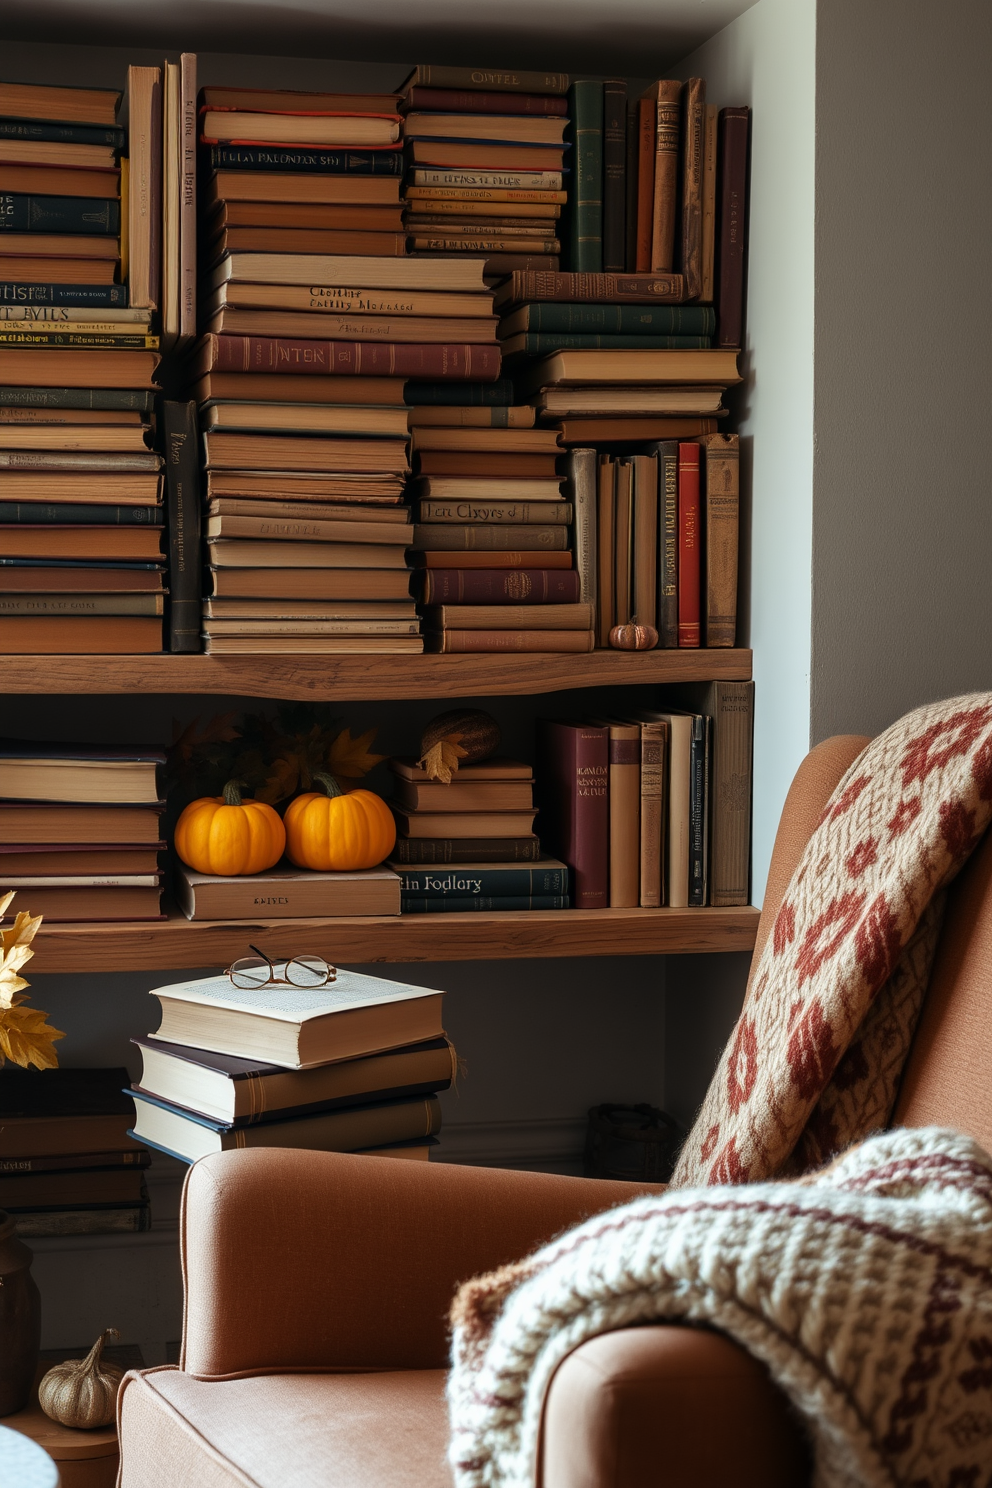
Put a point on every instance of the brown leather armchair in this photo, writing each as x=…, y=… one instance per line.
x=317, y=1287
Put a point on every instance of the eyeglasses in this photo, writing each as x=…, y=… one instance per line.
x=253, y=972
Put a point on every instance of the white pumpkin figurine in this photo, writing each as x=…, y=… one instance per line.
x=83, y=1392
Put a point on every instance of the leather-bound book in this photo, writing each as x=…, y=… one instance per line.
x=666, y=174
x=499, y=586
x=585, y=243
x=625, y=814
x=709, y=203
x=605, y=544
x=595, y=289
x=471, y=101
x=731, y=707
x=182, y=491
x=644, y=564
x=467, y=849
x=573, y=795
x=689, y=546
x=721, y=456
x=668, y=542
x=486, y=80
x=510, y=640
x=693, y=131
x=647, y=110
x=344, y=358
x=453, y=537
x=614, y=175
x=580, y=466
x=731, y=223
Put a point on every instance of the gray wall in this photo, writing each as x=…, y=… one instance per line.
x=902, y=529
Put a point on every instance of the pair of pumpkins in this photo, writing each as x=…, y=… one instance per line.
x=325, y=830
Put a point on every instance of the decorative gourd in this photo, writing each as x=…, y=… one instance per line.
x=465, y=735
x=633, y=637
x=229, y=837
x=338, y=832
x=82, y=1393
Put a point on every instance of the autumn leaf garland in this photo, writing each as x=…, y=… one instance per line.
x=26, y=1036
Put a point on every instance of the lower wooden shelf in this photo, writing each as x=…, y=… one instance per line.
x=178, y=942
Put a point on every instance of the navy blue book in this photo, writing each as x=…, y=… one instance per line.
x=69, y=514
x=62, y=134
x=488, y=880
x=459, y=904
x=307, y=162
x=83, y=296
x=90, y=215
x=75, y=563
x=497, y=394
x=137, y=400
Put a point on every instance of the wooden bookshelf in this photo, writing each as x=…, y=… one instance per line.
x=319, y=678
x=178, y=942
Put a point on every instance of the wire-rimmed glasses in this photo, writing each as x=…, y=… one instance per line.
x=252, y=973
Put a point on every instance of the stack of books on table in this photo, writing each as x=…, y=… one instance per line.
x=485, y=153
x=315, y=318
x=81, y=567
x=68, y=1165
x=353, y=1066
x=79, y=831
x=653, y=808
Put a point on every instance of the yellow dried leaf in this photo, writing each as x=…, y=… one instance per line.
x=350, y=757
x=22, y=932
x=26, y=1037
x=5, y=902
x=441, y=760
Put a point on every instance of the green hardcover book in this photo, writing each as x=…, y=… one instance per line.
x=77, y=514
x=585, y=240
x=473, y=879
x=551, y=317
x=481, y=904
x=546, y=344
x=59, y=214
x=32, y=397
x=122, y=342
x=499, y=394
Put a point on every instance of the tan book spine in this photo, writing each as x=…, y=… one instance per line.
x=625, y=815
x=187, y=196
x=732, y=707
x=171, y=190
x=709, y=204
x=144, y=89
x=666, y=170
x=581, y=468
x=512, y=640
x=605, y=503
x=693, y=112
x=721, y=453
x=623, y=542
x=653, y=737
x=644, y=566
x=511, y=617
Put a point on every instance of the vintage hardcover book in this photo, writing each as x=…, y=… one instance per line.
x=328, y=215
x=301, y=192
x=313, y=645
x=451, y=211
x=30, y=1131
x=496, y=586
x=295, y=101
x=720, y=454
x=255, y=387
x=510, y=640
x=464, y=275
x=502, y=511
x=408, y=767
x=585, y=217
x=513, y=129
x=306, y=418
x=730, y=705
x=24, y=823
x=286, y=893
x=483, y=904
x=623, y=542
x=82, y=398
x=23, y=576
x=349, y=300
x=138, y=1158
x=342, y=358
x=455, y=823
x=227, y=321
x=59, y=154
x=550, y=317
x=322, y=131
x=76, y=774
x=471, y=101
x=667, y=452
x=547, y=343
x=586, y=367
x=644, y=565
x=678, y=777
x=82, y=604
x=458, y=537
x=96, y=296
x=497, y=394
x=647, y=113
x=546, y=876
x=573, y=793
x=306, y=529
x=709, y=203
x=85, y=369
x=485, y=80
x=625, y=814
x=630, y=199
x=187, y=197
x=67, y=862
x=731, y=223
x=376, y=515
x=509, y=617
x=242, y=1092
x=654, y=744
x=182, y=494
x=699, y=775
x=605, y=550
x=231, y=449
x=494, y=487
x=254, y=553
x=478, y=181
x=627, y=400
x=692, y=126
x=66, y=905
x=54, y=336
x=305, y=240
x=144, y=102
x=510, y=559
x=463, y=795
x=49, y=635
x=490, y=244
x=75, y=270
x=690, y=539
x=53, y=181
x=614, y=175
x=68, y=134
x=580, y=468
x=96, y=544
x=665, y=175
x=424, y=850
x=420, y=419
x=92, y=106
x=58, y=214
x=492, y=467
x=461, y=154
x=632, y=430
x=29, y=1192
x=308, y=583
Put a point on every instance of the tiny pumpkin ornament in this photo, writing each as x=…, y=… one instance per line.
x=229, y=837
x=82, y=1393
x=460, y=736
x=332, y=831
x=633, y=636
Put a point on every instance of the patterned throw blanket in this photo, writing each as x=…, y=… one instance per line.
x=800, y=1273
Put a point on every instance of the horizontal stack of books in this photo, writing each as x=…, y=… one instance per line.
x=485, y=154
x=79, y=830
x=68, y=1165
x=353, y=1066
x=653, y=808
x=485, y=815
x=81, y=566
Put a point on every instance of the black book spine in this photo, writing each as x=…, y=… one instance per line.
x=182, y=496
x=86, y=296
x=698, y=770
x=62, y=134
x=499, y=394
x=614, y=176
x=69, y=514
x=466, y=849
x=481, y=904
x=105, y=398
x=308, y=162
x=85, y=215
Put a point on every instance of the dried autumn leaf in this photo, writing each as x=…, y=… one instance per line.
x=441, y=760
x=219, y=730
x=281, y=781
x=350, y=757
x=22, y=932
x=5, y=902
x=26, y=1037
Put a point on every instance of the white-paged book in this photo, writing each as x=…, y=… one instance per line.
x=299, y=1027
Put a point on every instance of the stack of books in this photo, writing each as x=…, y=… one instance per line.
x=79, y=830
x=68, y=1165
x=315, y=318
x=81, y=566
x=355, y=1066
x=485, y=815
x=653, y=808
x=485, y=156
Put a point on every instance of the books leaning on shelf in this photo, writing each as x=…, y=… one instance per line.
x=352, y=1066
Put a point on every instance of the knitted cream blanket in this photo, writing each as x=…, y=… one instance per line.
x=866, y=1289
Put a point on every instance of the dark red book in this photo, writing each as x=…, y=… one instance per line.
x=572, y=790
x=345, y=358
x=509, y=586
x=485, y=463
x=466, y=101
x=689, y=546
x=731, y=223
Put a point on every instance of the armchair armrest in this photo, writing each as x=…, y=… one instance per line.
x=327, y=1261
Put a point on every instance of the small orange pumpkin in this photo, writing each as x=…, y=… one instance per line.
x=336, y=832
x=633, y=636
x=226, y=836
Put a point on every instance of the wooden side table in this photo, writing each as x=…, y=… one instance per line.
x=85, y=1459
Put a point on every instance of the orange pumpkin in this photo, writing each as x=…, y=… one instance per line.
x=335, y=832
x=229, y=837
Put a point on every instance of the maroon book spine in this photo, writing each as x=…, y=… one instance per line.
x=573, y=795
x=453, y=101
x=690, y=533
x=510, y=586
x=352, y=358
x=731, y=223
